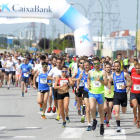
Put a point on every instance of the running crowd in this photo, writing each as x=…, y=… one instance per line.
x=100, y=84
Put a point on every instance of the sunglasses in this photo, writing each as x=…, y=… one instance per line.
x=44, y=65
x=113, y=69
x=96, y=63
x=81, y=63
x=64, y=71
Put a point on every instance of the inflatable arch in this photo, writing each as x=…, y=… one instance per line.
x=53, y=9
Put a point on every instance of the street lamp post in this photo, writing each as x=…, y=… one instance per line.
x=44, y=37
x=101, y=26
x=52, y=34
x=64, y=40
x=72, y=3
x=137, y=26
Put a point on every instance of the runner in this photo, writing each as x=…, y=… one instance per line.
x=9, y=64
x=135, y=95
x=79, y=91
x=133, y=68
x=119, y=58
x=56, y=71
x=84, y=75
x=25, y=69
x=50, y=92
x=97, y=79
x=18, y=75
x=43, y=88
x=62, y=84
x=108, y=104
x=120, y=96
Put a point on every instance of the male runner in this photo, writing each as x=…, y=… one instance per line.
x=108, y=104
x=43, y=87
x=84, y=75
x=120, y=96
x=25, y=69
x=97, y=79
x=135, y=95
x=79, y=91
x=56, y=71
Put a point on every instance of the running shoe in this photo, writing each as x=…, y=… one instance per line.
x=107, y=125
x=28, y=87
x=22, y=94
x=79, y=112
x=83, y=119
x=135, y=121
x=64, y=124
x=94, y=125
x=41, y=108
x=54, y=109
x=49, y=110
x=57, y=118
x=89, y=128
x=67, y=119
x=138, y=125
x=101, y=129
x=105, y=121
x=16, y=85
x=96, y=113
x=8, y=88
x=119, y=129
x=73, y=91
x=26, y=91
x=5, y=83
x=75, y=103
x=43, y=117
x=20, y=86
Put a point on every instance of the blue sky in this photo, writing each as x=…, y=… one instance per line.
x=127, y=11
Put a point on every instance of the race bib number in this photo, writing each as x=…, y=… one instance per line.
x=26, y=74
x=86, y=85
x=96, y=84
x=106, y=88
x=43, y=81
x=137, y=87
x=119, y=85
x=81, y=83
x=63, y=81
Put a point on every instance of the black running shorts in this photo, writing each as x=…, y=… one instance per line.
x=135, y=96
x=120, y=99
x=55, y=93
x=80, y=92
x=25, y=80
x=62, y=96
x=85, y=94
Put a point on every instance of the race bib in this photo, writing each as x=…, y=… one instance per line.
x=63, y=81
x=43, y=81
x=96, y=84
x=81, y=83
x=119, y=85
x=137, y=87
x=106, y=88
x=26, y=74
x=86, y=85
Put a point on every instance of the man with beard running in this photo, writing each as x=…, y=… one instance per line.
x=97, y=79
x=108, y=104
x=120, y=96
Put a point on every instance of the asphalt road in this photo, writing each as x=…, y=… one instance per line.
x=20, y=119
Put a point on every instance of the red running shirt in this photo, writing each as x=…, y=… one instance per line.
x=136, y=83
x=61, y=81
x=133, y=70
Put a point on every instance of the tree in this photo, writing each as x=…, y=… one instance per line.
x=16, y=42
x=41, y=43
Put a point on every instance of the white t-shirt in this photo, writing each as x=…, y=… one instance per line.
x=74, y=66
x=21, y=58
x=18, y=69
x=9, y=64
x=39, y=68
x=54, y=72
x=15, y=62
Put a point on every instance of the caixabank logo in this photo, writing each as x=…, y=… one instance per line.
x=4, y=7
x=18, y=8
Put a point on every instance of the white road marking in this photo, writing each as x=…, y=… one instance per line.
x=24, y=137
x=72, y=133
x=1, y=128
x=32, y=127
x=112, y=134
x=48, y=114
